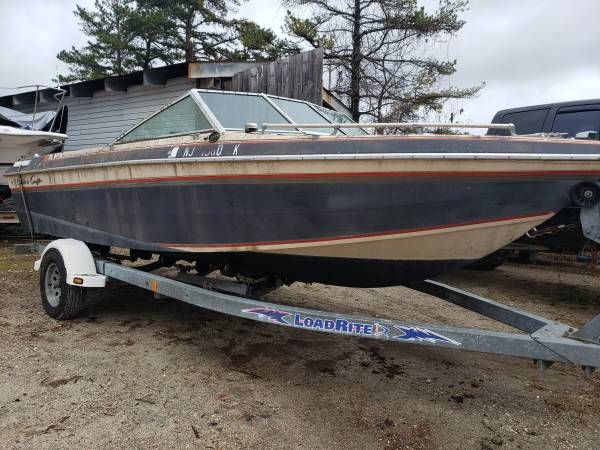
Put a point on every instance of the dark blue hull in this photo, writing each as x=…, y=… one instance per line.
x=159, y=216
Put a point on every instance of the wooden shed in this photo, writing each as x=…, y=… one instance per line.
x=100, y=110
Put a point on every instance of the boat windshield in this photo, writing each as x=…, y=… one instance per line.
x=181, y=117
x=338, y=117
x=234, y=109
x=206, y=110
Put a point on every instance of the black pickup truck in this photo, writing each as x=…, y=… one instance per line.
x=562, y=233
x=567, y=118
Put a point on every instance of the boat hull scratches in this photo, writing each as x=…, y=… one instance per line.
x=339, y=271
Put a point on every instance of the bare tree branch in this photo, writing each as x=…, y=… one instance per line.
x=375, y=52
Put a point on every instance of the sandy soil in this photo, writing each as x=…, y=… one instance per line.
x=137, y=372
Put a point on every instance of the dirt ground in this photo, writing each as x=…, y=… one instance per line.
x=137, y=372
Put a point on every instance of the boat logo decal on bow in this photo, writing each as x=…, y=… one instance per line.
x=421, y=335
x=33, y=180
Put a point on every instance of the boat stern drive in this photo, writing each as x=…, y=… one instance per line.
x=258, y=184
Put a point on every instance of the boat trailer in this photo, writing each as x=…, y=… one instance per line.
x=68, y=268
x=8, y=215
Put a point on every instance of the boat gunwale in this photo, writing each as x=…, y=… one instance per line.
x=561, y=157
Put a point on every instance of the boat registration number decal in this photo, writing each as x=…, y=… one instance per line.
x=203, y=151
x=348, y=326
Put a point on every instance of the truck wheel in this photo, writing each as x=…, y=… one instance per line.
x=60, y=300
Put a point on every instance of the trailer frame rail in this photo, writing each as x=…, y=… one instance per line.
x=542, y=340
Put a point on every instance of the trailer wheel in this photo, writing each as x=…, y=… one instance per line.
x=60, y=300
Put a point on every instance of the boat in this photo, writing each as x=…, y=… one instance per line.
x=256, y=184
x=17, y=142
x=24, y=135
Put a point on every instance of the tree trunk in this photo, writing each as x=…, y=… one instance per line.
x=118, y=63
x=147, y=57
x=190, y=54
x=355, y=64
x=379, y=111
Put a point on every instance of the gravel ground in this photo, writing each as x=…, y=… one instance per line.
x=137, y=372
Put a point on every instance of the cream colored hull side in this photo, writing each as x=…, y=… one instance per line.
x=170, y=170
x=467, y=242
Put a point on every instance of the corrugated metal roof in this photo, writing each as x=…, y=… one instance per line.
x=155, y=76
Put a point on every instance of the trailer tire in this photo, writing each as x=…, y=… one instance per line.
x=60, y=300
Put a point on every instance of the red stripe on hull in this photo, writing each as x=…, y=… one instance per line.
x=314, y=175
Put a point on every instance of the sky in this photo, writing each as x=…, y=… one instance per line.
x=526, y=51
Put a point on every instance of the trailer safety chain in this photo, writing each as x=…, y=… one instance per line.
x=544, y=364
x=26, y=206
x=552, y=230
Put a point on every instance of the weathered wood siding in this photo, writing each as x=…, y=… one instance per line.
x=298, y=76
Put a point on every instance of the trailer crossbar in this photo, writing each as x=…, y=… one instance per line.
x=516, y=318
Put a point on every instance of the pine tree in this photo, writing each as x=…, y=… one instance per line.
x=128, y=35
x=253, y=42
x=153, y=41
x=200, y=30
x=109, y=50
x=380, y=53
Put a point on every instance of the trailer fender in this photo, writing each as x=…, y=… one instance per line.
x=79, y=263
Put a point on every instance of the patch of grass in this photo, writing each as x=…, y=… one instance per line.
x=10, y=261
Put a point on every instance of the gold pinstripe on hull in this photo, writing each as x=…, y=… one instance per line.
x=461, y=242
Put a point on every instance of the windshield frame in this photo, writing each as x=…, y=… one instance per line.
x=212, y=120
x=216, y=124
x=248, y=94
x=328, y=124
x=268, y=98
